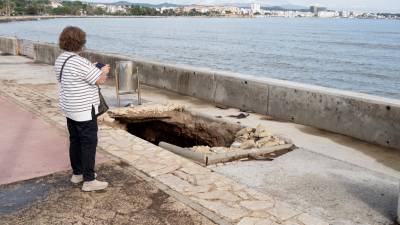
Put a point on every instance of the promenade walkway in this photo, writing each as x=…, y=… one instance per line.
x=29, y=147
x=35, y=171
x=218, y=198
x=210, y=195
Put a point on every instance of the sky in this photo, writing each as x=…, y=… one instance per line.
x=370, y=5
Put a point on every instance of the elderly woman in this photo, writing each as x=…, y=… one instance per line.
x=79, y=101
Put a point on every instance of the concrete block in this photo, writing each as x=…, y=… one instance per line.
x=242, y=93
x=9, y=45
x=46, y=53
x=159, y=76
x=363, y=118
x=201, y=84
x=182, y=80
x=26, y=48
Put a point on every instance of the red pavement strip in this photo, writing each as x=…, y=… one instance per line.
x=29, y=147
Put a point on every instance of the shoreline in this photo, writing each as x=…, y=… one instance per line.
x=7, y=19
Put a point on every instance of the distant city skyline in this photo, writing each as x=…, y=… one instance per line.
x=369, y=5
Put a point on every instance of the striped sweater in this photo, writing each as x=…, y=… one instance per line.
x=78, y=92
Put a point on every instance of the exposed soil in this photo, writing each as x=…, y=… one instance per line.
x=180, y=128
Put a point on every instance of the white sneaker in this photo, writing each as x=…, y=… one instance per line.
x=76, y=179
x=94, y=185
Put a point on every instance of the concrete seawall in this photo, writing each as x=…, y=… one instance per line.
x=366, y=117
x=6, y=19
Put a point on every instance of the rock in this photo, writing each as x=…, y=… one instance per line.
x=270, y=143
x=252, y=136
x=106, y=118
x=219, y=149
x=248, y=144
x=246, y=130
x=202, y=149
x=264, y=134
x=261, y=132
x=240, y=139
x=259, y=129
x=235, y=144
x=260, y=143
x=246, y=136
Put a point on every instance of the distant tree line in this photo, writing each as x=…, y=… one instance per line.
x=43, y=7
x=39, y=7
x=142, y=11
x=24, y=7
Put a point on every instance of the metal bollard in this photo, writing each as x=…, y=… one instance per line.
x=398, y=206
x=126, y=81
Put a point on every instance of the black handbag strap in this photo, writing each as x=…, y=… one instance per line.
x=62, y=68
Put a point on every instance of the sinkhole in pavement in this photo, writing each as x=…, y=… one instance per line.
x=180, y=128
x=201, y=138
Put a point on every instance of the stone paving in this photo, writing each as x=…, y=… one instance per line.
x=231, y=202
x=128, y=200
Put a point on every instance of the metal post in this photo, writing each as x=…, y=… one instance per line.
x=126, y=83
x=117, y=85
x=138, y=87
x=398, y=206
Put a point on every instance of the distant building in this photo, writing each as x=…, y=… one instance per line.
x=255, y=8
x=328, y=14
x=316, y=9
x=115, y=9
x=217, y=9
x=244, y=11
x=344, y=14
x=288, y=13
x=55, y=4
x=102, y=6
x=232, y=10
x=163, y=9
x=110, y=8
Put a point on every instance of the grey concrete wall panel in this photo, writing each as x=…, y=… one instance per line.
x=368, y=119
x=183, y=80
x=159, y=76
x=9, y=45
x=26, y=48
x=245, y=94
x=46, y=53
x=201, y=85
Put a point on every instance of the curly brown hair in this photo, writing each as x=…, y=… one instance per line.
x=72, y=39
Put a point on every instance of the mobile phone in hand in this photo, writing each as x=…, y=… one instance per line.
x=100, y=65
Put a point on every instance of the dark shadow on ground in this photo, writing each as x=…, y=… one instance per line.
x=378, y=198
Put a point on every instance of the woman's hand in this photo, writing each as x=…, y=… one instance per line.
x=102, y=79
x=105, y=69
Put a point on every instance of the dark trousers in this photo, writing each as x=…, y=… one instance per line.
x=82, y=148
